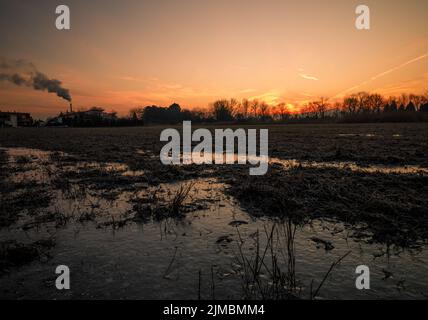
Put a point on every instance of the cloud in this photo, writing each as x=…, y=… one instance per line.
x=271, y=97
x=417, y=85
x=399, y=66
x=382, y=74
x=308, y=77
x=129, y=78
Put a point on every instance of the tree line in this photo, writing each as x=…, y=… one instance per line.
x=358, y=107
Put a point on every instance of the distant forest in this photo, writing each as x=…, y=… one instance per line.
x=359, y=107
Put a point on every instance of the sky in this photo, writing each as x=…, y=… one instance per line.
x=129, y=53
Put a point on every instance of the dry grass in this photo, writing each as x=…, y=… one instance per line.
x=179, y=198
x=270, y=274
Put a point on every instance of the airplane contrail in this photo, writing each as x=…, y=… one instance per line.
x=383, y=74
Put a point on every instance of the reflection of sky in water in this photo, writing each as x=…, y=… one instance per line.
x=349, y=165
x=136, y=261
x=340, y=165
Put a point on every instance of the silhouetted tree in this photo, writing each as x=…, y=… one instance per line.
x=155, y=114
x=282, y=111
x=222, y=110
x=255, y=108
x=350, y=104
x=424, y=108
x=245, y=106
x=391, y=107
x=264, y=111
x=375, y=102
x=410, y=107
x=319, y=108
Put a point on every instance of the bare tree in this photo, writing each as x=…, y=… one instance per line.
x=245, y=105
x=350, y=104
x=375, y=102
x=136, y=113
x=282, y=110
x=337, y=108
x=319, y=107
x=418, y=100
x=425, y=97
x=362, y=98
x=263, y=110
x=255, y=107
x=222, y=110
x=403, y=100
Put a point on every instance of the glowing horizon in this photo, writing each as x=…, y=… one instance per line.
x=124, y=54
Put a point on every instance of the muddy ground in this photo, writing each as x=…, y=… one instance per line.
x=362, y=184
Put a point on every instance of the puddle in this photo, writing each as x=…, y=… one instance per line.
x=349, y=165
x=340, y=165
x=343, y=165
x=113, y=255
x=368, y=135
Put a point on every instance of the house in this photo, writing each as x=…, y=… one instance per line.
x=15, y=119
x=95, y=116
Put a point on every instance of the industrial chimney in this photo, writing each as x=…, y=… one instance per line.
x=71, y=107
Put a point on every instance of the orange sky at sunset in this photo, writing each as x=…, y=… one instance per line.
x=123, y=54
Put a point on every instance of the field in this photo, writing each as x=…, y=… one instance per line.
x=99, y=201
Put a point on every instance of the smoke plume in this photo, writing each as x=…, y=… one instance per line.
x=14, y=78
x=23, y=73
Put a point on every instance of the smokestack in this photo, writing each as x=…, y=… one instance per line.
x=71, y=107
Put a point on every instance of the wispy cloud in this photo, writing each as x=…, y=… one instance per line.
x=416, y=85
x=399, y=66
x=128, y=78
x=382, y=74
x=271, y=97
x=308, y=77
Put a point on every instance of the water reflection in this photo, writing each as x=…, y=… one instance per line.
x=349, y=165
x=114, y=255
x=289, y=164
